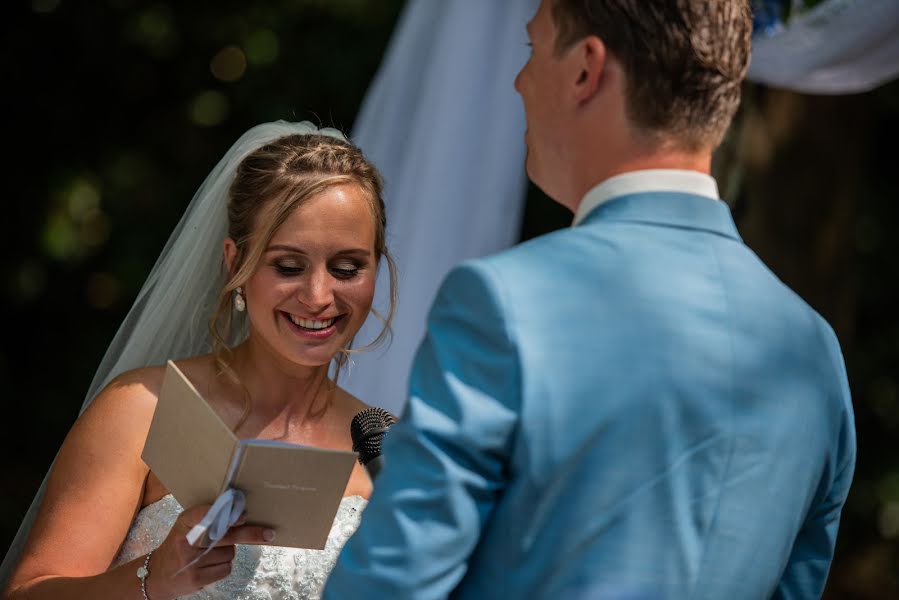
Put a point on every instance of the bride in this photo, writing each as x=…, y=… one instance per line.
x=278, y=252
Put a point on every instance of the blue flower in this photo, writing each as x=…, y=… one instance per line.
x=767, y=15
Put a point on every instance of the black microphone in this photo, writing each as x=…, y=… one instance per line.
x=367, y=430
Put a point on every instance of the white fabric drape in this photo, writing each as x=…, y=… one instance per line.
x=838, y=47
x=444, y=125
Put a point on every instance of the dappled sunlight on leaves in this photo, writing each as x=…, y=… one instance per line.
x=209, y=108
x=229, y=64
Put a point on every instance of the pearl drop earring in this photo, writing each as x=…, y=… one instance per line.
x=240, y=304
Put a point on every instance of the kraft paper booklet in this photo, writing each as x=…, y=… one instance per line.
x=294, y=489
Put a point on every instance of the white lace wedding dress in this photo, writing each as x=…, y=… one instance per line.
x=260, y=572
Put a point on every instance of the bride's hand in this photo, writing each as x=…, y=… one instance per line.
x=175, y=552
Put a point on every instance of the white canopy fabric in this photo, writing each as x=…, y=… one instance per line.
x=838, y=47
x=444, y=125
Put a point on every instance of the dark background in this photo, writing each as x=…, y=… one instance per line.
x=117, y=110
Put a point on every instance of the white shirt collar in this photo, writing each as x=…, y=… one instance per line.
x=649, y=180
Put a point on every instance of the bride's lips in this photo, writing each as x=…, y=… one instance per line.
x=316, y=334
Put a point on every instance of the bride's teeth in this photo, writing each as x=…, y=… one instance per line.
x=311, y=323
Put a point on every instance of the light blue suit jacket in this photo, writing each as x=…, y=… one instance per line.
x=633, y=407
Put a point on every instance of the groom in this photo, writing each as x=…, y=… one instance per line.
x=635, y=403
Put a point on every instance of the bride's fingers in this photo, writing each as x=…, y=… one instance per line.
x=218, y=555
x=247, y=534
x=206, y=575
x=190, y=517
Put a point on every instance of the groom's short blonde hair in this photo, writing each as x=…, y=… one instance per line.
x=684, y=60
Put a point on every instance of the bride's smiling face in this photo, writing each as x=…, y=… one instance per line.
x=314, y=284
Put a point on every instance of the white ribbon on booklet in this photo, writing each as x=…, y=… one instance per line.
x=223, y=513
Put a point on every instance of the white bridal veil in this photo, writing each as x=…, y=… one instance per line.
x=169, y=318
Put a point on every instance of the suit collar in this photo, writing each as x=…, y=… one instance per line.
x=647, y=180
x=672, y=209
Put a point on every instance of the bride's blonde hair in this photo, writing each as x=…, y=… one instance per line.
x=268, y=186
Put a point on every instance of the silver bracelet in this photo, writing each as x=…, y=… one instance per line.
x=142, y=572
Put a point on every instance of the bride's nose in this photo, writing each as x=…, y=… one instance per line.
x=317, y=291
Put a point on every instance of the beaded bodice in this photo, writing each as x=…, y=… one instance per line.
x=259, y=572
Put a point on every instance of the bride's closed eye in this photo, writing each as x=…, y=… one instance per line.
x=345, y=270
x=288, y=270
x=341, y=270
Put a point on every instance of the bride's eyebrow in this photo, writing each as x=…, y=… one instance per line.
x=285, y=248
x=298, y=250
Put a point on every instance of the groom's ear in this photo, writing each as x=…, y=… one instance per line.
x=591, y=56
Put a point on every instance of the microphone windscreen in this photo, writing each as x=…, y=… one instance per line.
x=367, y=430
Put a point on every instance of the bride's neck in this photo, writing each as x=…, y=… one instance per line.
x=276, y=385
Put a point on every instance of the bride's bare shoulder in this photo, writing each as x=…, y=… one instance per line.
x=145, y=381
x=347, y=403
x=115, y=424
x=200, y=370
x=138, y=389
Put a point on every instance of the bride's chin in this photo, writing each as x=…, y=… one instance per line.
x=318, y=357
